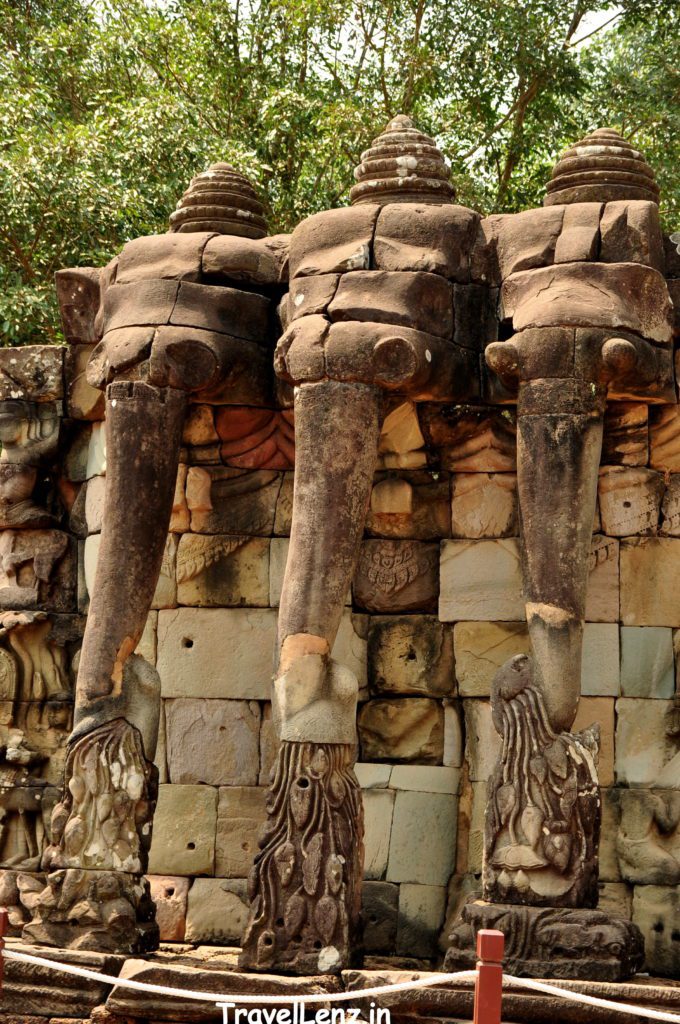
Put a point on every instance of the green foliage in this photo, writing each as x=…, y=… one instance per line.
x=108, y=107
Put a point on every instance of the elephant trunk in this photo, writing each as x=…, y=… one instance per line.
x=559, y=426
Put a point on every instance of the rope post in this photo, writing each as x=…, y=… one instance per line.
x=4, y=922
x=489, y=980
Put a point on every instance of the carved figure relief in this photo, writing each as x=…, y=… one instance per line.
x=543, y=814
x=648, y=840
x=29, y=433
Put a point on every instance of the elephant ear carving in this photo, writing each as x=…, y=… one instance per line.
x=202, y=553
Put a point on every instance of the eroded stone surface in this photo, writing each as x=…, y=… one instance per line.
x=402, y=729
x=212, y=741
x=410, y=655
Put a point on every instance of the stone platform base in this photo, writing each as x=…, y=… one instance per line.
x=37, y=995
x=550, y=942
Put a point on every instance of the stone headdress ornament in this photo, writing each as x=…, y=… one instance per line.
x=402, y=166
x=600, y=168
x=220, y=199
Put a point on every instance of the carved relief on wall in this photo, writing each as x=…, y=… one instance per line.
x=543, y=813
x=648, y=840
x=29, y=434
x=311, y=856
x=95, y=896
x=35, y=720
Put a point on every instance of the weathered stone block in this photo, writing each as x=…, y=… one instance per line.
x=580, y=234
x=481, y=648
x=421, y=301
x=373, y=776
x=401, y=443
x=616, y=898
x=413, y=506
x=475, y=849
x=647, y=743
x=484, y=505
x=170, y=893
x=453, y=735
x=184, y=824
x=610, y=802
x=216, y=652
x=232, y=501
x=664, y=438
x=402, y=729
x=626, y=434
x=241, y=813
x=524, y=240
x=482, y=742
x=379, y=903
x=214, y=570
x=423, y=845
x=32, y=372
x=602, y=595
x=217, y=911
x=656, y=910
x=471, y=440
x=600, y=660
x=629, y=500
x=599, y=710
x=410, y=655
x=333, y=241
x=480, y=580
x=269, y=746
x=631, y=233
x=649, y=574
x=425, y=778
x=397, y=576
x=83, y=401
x=378, y=810
x=94, y=503
x=96, y=451
x=670, y=507
x=627, y=296
x=647, y=665
x=421, y=913
x=212, y=741
x=425, y=237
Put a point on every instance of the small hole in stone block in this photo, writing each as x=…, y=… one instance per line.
x=187, y=642
x=191, y=846
x=317, y=944
x=279, y=922
x=303, y=782
x=627, y=504
x=675, y=936
x=373, y=919
x=268, y=940
x=658, y=927
x=169, y=892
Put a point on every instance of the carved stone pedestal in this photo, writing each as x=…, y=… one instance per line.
x=550, y=942
x=105, y=911
x=305, y=883
x=96, y=897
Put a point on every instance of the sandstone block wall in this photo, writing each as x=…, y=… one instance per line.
x=434, y=609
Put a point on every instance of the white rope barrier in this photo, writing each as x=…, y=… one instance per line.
x=580, y=997
x=328, y=997
x=211, y=997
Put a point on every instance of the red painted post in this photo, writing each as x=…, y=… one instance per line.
x=489, y=980
x=4, y=922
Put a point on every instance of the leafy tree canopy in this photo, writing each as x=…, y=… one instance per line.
x=108, y=107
